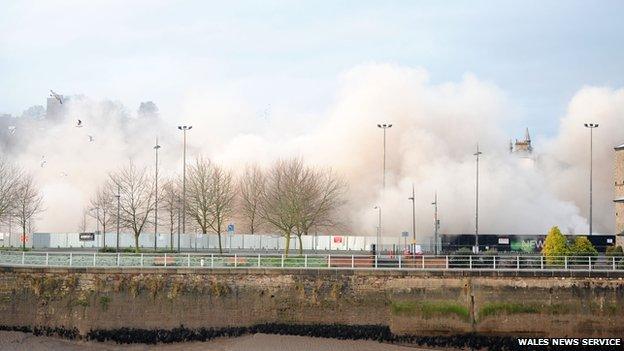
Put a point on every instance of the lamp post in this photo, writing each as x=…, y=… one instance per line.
x=477, y=154
x=156, y=147
x=377, y=248
x=178, y=226
x=183, y=129
x=436, y=222
x=118, y=196
x=97, y=224
x=384, y=126
x=591, y=127
x=413, y=199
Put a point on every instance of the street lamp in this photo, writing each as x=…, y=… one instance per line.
x=377, y=248
x=183, y=129
x=384, y=127
x=591, y=127
x=156, y=147
x=436, y=222
x=97, y=224
x=178, y=208
x=477, y=154
x=413, y=199
x=118, y=196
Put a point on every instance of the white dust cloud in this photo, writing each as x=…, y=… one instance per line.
x=436, y=128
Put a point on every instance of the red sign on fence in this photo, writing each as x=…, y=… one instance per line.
x=337, y=240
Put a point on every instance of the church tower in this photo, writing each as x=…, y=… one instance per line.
x=619, y=194
x=522, y=148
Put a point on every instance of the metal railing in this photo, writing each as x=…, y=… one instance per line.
x=312, y=261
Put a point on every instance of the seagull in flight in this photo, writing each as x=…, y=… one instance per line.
x=90, y=138
x=79, y=124
x=11, y=130
x=56, y=96
x=266, y=112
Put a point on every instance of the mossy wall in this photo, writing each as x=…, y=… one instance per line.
x=413, y=303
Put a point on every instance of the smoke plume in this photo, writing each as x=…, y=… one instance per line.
x=435, y=132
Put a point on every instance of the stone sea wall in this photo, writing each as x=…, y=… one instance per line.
x=409, y=303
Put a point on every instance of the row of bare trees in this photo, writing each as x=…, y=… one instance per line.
x=20, y=199
x=289, y=197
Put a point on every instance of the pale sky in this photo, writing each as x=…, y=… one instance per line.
x=292, y=53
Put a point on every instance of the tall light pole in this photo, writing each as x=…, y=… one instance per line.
x=477, y=154
x=178, y=226
x=118, y=196
x=384, y=127
x=591, y=127
x=183, y=129
x=378, y=208
x=97, y=223
x=413, y=199
x=436, y=222
x=156, y=147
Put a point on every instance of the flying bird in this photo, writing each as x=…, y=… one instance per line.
x=56, y=96
x=90, y=138
x=43, y=162
x=63, y=174
x=266, y=112
x=11, y=130
x=79, y=124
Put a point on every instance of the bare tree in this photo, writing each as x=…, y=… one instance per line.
x=105, y=212
x=320, y=197
x=136, y=198
x=223, y=196
x=251, y=186
x=199, y=193
x=210, y=197
x=279, y=203
x=171, y=203
x=9, y=185
x=28, y=203
x=296, y=198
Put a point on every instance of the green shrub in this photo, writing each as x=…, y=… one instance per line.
x=582, y=247
x=583, y=250
x=614, y=251
x=555, y=245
